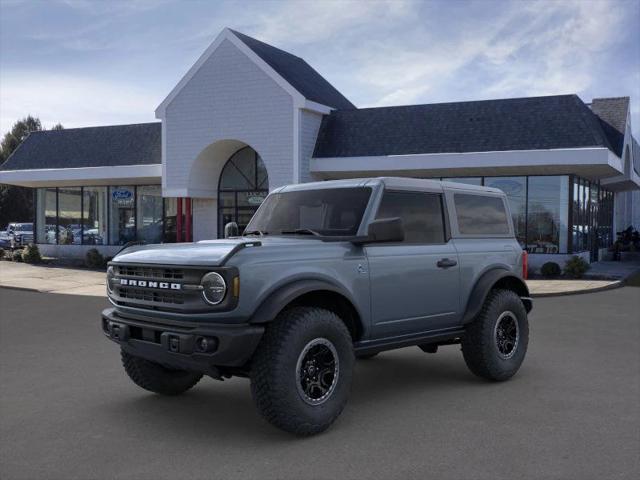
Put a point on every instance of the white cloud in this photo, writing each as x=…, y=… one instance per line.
x=376, y=52
x=533, y=48
x=73, y=101
x=306, y=22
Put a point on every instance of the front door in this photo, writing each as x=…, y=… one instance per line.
x=244, y=184
x=414, y=284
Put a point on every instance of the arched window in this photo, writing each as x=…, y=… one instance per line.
x=243, y=186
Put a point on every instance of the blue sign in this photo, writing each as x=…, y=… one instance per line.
x=121, y=194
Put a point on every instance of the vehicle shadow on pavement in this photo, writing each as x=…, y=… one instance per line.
x=226, y=408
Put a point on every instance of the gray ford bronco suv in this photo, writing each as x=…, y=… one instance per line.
x=323, y=274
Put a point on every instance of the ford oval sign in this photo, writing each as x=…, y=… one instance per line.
x=121, y=194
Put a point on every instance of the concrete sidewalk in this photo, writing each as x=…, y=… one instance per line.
x=74, y=281
x=41, y=278
x=553, y=288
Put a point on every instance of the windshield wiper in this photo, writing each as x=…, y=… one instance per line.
x=255, y=232
x=301, y=231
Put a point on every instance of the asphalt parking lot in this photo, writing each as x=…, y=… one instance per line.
x=68, y=411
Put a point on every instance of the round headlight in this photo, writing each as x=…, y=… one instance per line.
x=214, y=288
x=110, y=275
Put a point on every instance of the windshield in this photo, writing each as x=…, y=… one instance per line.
x=327, y=212
x=23, y=227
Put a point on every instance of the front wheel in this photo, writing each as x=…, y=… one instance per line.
x=301, y=371
x=495, y=342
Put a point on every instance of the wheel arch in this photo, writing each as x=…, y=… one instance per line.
x=315, y=293
x=497, y=278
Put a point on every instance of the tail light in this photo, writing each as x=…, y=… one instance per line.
x=525, y=264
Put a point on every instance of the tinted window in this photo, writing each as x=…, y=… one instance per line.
x=481, y=215
x=327, y=211
x=421, y=215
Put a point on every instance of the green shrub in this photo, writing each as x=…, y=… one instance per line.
x=550, y=269
x=94, y=259
x=106, y=261
x=1, y=253
x=16, y=256
x=31, y=254
x=576, y=267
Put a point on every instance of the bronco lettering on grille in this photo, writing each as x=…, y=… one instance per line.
x=148, y=284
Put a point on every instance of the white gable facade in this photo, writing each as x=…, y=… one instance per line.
x=229, y=100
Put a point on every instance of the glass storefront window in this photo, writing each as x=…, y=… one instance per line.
x=69, y=216
x=46, y=216
x=104, y=215
x=149, y=213
x=94, y=215
x=516, y=190
x=170, y=220
x=548, y=212
x=593, y=214
x=122, y=218
x=605, y=221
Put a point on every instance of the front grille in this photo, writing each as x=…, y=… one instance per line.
x=150, y=272
x=151, y=295
x=156, y=296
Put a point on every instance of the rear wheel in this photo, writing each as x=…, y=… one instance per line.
x=301, y=371
x=157, y=378
x=495, y=343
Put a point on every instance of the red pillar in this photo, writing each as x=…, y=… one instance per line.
x=187, y=217
x=179, y=220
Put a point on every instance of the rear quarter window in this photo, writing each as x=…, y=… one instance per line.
x=481, y=215
x=421, y=215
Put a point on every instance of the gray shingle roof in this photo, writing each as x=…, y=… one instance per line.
x=613, y=116
x=562, y=121
x=108, y=146
x=298, y=73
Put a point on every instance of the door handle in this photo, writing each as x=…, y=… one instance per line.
x=446, y=263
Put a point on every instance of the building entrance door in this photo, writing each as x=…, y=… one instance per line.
x=244, y=184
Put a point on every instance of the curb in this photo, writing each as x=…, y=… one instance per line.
x=24, y=289
x=612, y=286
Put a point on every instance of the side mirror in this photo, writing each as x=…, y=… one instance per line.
x=231, y=230
x=384, y=230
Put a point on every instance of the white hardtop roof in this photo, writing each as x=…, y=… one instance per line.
x=390, y=182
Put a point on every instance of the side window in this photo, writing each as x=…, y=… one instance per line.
x=421, y=215
x=481, y=215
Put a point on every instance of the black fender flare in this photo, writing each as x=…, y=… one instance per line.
x=281, y=297
x=484, y=285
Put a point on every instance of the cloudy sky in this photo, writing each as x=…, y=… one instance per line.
x=83, y=63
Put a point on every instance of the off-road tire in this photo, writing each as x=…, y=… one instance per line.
x=274, y=370
x=479, y=347
x=156, y=378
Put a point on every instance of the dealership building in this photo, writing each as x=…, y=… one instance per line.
x=248, y=118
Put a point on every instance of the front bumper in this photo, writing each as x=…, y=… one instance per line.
x=178, y=344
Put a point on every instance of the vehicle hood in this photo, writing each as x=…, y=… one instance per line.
x=204, y=253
